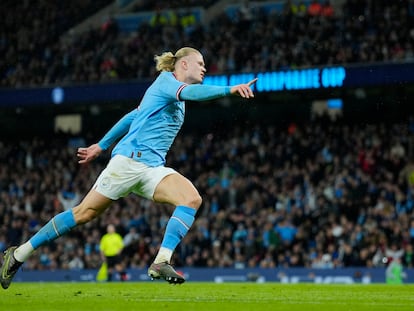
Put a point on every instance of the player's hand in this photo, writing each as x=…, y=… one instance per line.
x=88, y=154
x=244, y=90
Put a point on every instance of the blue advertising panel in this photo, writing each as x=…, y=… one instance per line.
x=276, y=81
x=222, y=275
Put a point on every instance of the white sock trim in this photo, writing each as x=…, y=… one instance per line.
x=164, y=255
x=180, y=221
x=23, y=251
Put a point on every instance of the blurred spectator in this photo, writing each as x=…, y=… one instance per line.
x=130, y=241
x=323, y=261
x=188, y=22
x=158, y=20
x=327, y=9
x=298, y=9
x=314, y=8
x=286, y=231
x=68, y=199
x=76, y=260
x=245, y=15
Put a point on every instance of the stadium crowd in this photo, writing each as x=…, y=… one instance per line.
x=252, y=40
x=150, y=5
x=320, y=194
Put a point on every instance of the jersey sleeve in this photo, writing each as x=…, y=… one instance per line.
x=118, y=130
x=199, y=92
x=169, y=86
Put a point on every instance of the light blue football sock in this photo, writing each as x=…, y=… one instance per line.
x=57, y=226
x=178, y=226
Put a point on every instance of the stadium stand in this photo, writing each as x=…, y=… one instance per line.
x=275, y=38
x=147, y=5
x=272, y=197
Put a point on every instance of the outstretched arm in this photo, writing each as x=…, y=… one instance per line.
x=198, y=92
x=119, y=129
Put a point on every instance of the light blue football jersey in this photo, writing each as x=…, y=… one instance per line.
x=159, y=117
x=151, y=129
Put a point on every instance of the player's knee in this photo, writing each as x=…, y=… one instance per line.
x=84, y=214
x=194, y=201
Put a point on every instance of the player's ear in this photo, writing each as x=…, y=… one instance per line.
x=184, y=64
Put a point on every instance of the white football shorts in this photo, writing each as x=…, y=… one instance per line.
x=124, y=175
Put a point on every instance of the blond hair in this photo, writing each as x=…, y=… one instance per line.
x=167, y=60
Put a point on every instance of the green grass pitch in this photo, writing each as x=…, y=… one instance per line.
x=204, y=296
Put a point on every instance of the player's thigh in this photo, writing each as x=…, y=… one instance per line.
x=93, y=205
x=176, y=189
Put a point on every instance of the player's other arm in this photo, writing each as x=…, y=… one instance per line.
x=199, y=92
x=118, y=130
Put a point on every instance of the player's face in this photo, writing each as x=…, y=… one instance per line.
x=195, y=68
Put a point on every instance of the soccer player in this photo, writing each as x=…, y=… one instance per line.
x=137, y=164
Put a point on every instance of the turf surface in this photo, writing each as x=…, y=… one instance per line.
x=204, y=296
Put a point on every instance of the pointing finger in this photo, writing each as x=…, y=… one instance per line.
x=252, y=82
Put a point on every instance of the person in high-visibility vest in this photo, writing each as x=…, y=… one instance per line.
x=111, y=246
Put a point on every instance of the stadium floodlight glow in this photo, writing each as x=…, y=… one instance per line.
x=58, y=95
